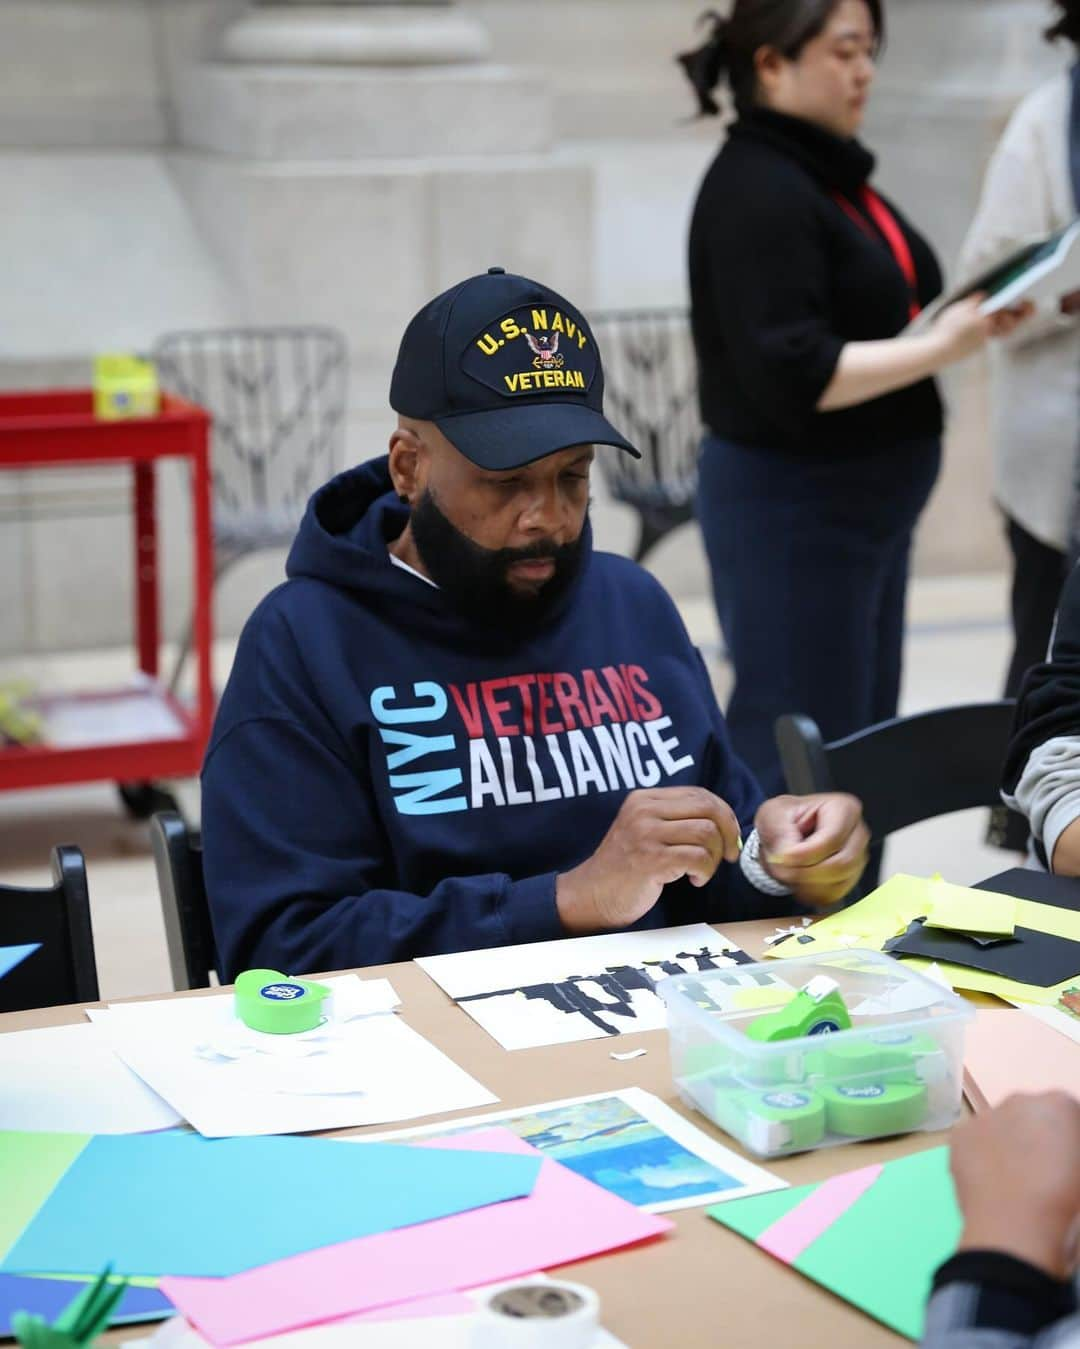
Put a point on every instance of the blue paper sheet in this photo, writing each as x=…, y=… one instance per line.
x=10, y=956
x=49, y=1297
x=182, y=1204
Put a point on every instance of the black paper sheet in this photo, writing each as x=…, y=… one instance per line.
x=1030, y=957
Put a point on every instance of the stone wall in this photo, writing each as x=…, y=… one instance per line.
x=148, y=187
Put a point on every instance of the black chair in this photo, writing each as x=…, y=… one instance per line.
x=650, y=394
x=906, y=770
x=188, y=931
x=58, y=917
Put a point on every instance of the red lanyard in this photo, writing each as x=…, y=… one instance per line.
x=886, y=222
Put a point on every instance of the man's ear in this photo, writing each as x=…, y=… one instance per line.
x=407, y=466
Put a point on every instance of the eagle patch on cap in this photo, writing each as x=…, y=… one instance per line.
x=533, y=350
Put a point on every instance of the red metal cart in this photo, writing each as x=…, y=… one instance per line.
x=140, y=732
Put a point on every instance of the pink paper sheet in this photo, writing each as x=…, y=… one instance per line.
x=565, y=1218
x=790, y=1235
x=1007, y=1051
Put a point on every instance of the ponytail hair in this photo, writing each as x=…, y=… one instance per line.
x=786, y=25
x=1067, y=25
x=706, y=64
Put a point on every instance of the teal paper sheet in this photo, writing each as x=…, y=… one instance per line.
x=154, y=1204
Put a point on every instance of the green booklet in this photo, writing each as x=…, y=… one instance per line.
x=1041, y=270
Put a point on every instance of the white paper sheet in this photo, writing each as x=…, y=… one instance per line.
x=66, y=1079
x=582, y=988
x=372, y=1069
x=630, y=1142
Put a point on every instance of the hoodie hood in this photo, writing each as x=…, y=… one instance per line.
x=344, y=540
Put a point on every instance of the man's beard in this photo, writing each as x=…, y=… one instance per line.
x=475, y=579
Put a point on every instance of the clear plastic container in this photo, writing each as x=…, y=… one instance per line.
x=875, y=1049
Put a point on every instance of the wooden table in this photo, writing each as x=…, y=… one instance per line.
x=700, y=1286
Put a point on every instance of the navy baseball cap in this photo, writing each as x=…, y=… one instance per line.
x=507, y=370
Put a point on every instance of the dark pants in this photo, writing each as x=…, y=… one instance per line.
x=1038, y=575
x=809, y=563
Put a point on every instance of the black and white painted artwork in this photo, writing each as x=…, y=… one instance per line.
x=582, y=988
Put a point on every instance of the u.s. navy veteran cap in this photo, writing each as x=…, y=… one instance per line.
x=507, y=370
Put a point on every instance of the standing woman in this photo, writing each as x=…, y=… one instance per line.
x=1032, y=187
x=824, y=426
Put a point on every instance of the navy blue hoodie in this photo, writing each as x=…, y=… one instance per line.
x=387, y=780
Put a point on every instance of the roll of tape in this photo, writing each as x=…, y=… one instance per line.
x=537, y=1314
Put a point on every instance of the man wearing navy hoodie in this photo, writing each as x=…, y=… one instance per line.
x=455, y=725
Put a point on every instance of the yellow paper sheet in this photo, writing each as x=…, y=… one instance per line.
x=888, y=910
x=958, y=909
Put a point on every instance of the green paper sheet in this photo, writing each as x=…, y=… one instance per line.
x=31, y=1165
x=881, y=1254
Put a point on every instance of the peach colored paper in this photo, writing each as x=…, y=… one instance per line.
x=1006, y=1051
x=566, y=1218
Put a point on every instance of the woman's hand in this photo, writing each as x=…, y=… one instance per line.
x=962, y=329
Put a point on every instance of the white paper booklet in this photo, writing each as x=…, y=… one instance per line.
x=364, y=1067
x=581, y=988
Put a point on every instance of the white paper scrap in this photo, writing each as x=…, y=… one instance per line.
x=372, y=1069
x=581, y=988
x=66, y=1079
x=630, y=1054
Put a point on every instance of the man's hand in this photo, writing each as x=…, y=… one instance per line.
x=815, y=845
x=1066, y=858
x=1017, y=1176
x=657, y=837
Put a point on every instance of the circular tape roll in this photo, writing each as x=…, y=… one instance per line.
x=537, y=1314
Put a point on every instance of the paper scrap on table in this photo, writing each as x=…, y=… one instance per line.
x=629, y=1142
x=580, y=988
x=959, y=909
x=10, y=956
x=228, y=1080
x=67, y=1078
x=448, y=1322
x=500, y=1242
x=1007, y=1052
x=630, y=1054
x=875, y=1240
x=176, y=1203
x=49, y=1297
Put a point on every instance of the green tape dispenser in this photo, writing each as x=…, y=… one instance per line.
x=817, y=1009
x=269, y=1001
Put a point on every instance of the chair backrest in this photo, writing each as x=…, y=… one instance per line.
x=57, y=917
x=650, y=394
x=277, y=399
x=188, y=931
x=906, y=770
